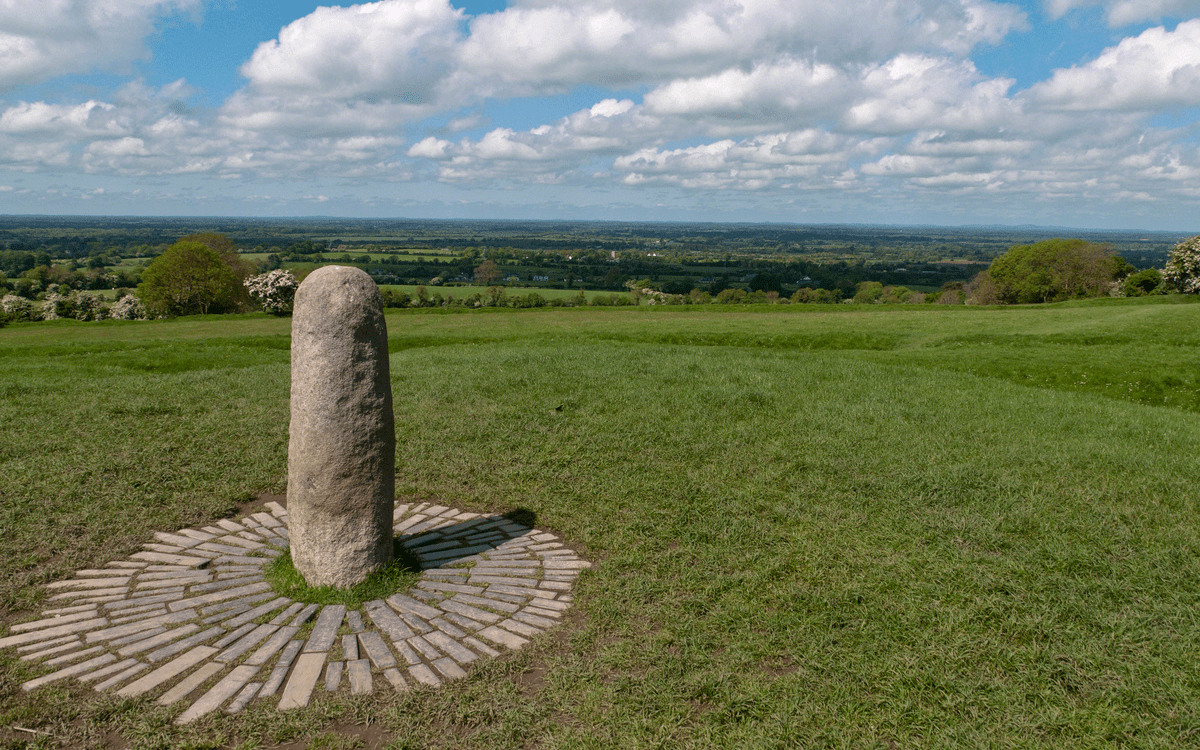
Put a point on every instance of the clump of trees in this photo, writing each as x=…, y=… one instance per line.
x=1048, y=271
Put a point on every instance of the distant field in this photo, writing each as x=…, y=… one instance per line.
x=812, y=526
x=460, y=292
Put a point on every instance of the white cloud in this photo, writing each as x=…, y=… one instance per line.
x=40, y=40
x=1157, y=68
x=1124, y=12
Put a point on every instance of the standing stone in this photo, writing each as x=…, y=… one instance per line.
x=342, y=447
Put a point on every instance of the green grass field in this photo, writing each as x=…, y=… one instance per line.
x=844, y=526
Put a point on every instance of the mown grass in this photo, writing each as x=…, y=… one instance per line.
x=812, y=527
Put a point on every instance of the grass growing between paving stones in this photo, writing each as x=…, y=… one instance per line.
x=812, y=527
x=401, y=574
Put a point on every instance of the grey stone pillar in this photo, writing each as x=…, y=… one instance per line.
x=342, y=441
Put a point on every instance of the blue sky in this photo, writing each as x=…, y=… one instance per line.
x=1080, y=113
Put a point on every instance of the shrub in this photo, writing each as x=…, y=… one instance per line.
x=1142, y=283
x=16, y=308
x=274, y=290
x=1182, y=272
x=127, y=307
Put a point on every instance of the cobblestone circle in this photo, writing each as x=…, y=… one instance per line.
x=191, y=619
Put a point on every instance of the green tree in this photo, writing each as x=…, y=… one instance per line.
x=239, y=300
x=1054, y=270
x=189, y=278
x=487, y=273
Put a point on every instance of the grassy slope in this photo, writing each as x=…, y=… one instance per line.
x=823, y=527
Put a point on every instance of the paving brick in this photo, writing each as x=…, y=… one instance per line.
x=424, y=647
x=359, y=672
x=467, y=610
x=407, y=604
x=188, y=685
x=130, y=628
x=477, y=645
x=393, y=676
x=115, y=608
x=90, y=593
x=304, y=676
x=163, y=557
x=202, y=536
x=532, y=619
x=281, y=669
x=77, y=669
x=245, y=643
x=61, y=647
x=325, y=629
x=186, y=643
x=108, y=670
x=504, y=581
x=406, y=652
x=543, y=612
x=520, y=628
x=243, y=697
x=424, y=675
x=167, y=671
x=305, y=614
x=228, y=525
x=45, y=634
x=416, y=623
x=503, y=637
x=217, y=694
x=259, y=611
x=447, y=667
x=88, y=614
x=122, y=676
x=224, y=583
x=481, y=601
x=237, y=633
x=179, y=540
x=219, y=596
x=462, y=622
x=448, y=645
x=350, y=647
x=64, y=659
x=455, y=587
x=56, y=611
x=89, y=583
x=288, y=613
x=333, y=675
x=387, y=620
x=376, y=650
x=278, y=640
x=354, y=620
x=441, y=624
x=158, y=640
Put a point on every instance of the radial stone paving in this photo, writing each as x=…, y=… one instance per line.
x=190, y=619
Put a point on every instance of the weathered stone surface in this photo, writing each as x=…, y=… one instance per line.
x=342, y=446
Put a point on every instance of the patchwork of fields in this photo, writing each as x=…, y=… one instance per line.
x=810, y=526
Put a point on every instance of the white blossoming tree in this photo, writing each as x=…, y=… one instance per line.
x=127, y=308
x=1183, y=267
x=274, y=290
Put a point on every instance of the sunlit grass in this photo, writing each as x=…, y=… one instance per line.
x=811, y=527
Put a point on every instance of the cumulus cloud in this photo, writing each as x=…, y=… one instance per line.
x=1154, y=69
x=1124, y=12
x=40, y=40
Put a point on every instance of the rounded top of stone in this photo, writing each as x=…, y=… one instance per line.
x=336, y=286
